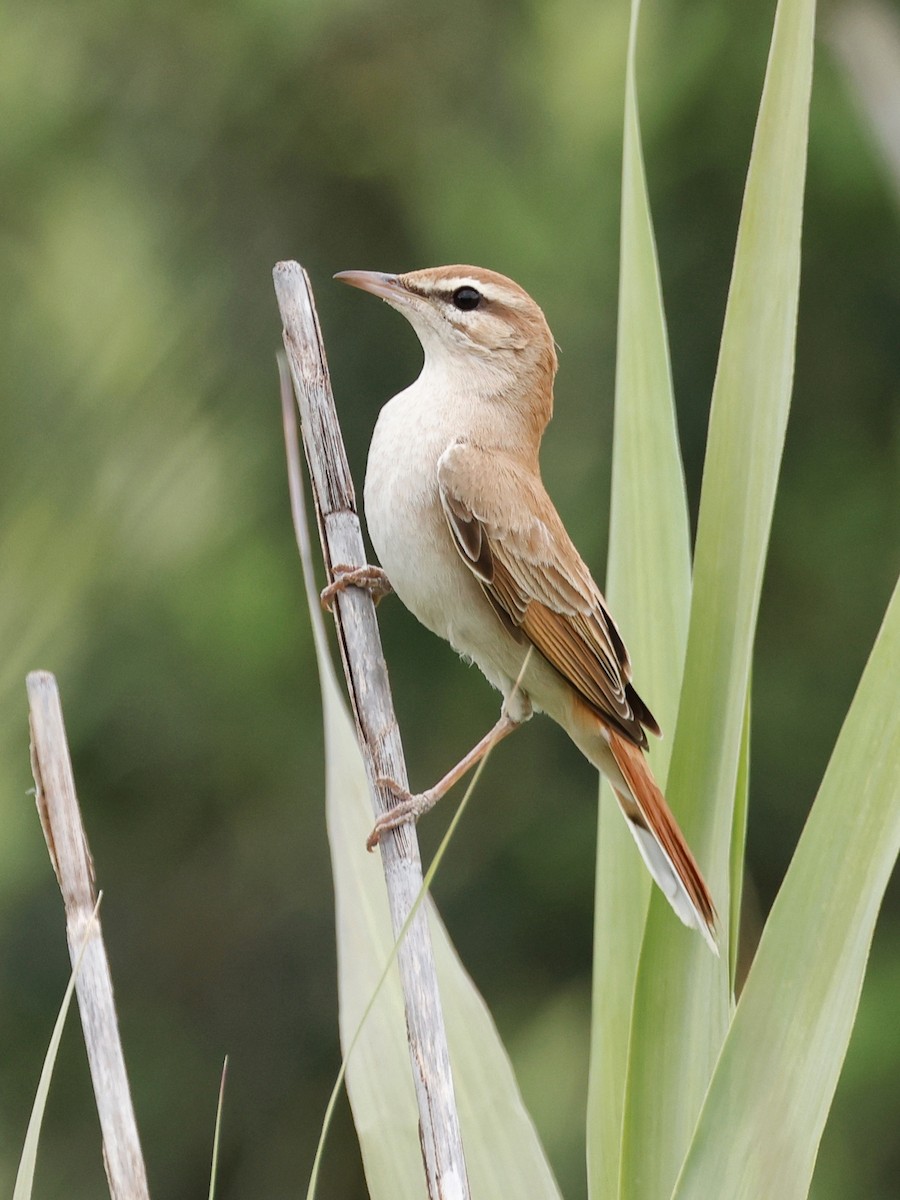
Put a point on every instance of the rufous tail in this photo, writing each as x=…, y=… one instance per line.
x=660, y=841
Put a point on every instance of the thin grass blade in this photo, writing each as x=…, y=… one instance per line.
x=649, y=587
x=760, y=1128
x=220, y=1104
x=28, y=1160
x=738, y=847
x=683, y=994
x=379, y=1082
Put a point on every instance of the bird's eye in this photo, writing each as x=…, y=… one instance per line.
x=467, y=298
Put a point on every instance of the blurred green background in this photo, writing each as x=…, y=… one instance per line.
x=156, y=160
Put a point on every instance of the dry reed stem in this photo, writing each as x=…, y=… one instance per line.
x=379, y=736
x=67, y=845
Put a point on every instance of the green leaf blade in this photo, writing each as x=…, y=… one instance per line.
x=760, y=1127
x=682, y=998
x=648, y=586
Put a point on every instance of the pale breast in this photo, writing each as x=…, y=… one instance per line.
x=407, y=525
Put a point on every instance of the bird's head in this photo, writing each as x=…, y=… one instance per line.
x=474, y=325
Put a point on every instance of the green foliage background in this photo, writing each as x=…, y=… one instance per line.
x=156, y=162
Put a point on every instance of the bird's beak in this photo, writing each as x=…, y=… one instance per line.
x=388, y=287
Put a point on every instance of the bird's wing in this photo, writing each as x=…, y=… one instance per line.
x=510, y=536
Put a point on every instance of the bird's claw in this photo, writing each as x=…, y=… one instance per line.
x=408, y=808
x=373, y=579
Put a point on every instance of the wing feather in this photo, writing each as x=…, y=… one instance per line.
x=509, y=534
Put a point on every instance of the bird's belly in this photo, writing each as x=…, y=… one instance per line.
x=414, y=546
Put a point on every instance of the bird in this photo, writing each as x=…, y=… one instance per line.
x=470, y=541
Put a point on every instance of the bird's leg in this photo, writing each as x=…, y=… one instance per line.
x=410, y=807
x=373, y=579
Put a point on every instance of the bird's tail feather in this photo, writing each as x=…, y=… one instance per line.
x=661, y=842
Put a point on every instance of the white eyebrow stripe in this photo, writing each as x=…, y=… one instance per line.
x=488, y=290
x=452, y=284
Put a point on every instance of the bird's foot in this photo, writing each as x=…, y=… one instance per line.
x=373, y=579
x=408, y=808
